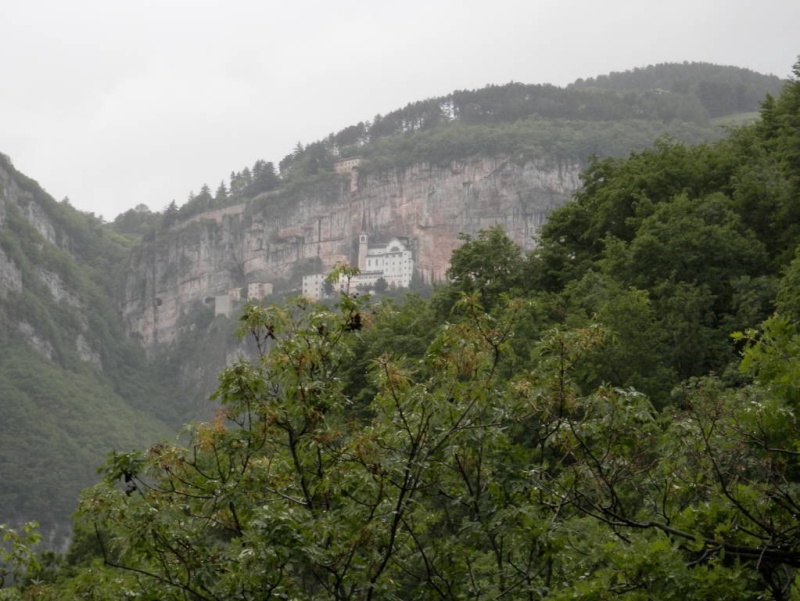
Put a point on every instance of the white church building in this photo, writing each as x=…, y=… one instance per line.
x=392, y=261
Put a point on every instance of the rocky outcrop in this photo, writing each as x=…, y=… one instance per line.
x=277, y=237
x=10, y=276
x=87, y=353
x=61, y=293
x=22, y=197
x=35, y=340
x=12, y=193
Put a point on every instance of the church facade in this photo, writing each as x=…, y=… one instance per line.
x=392, y=261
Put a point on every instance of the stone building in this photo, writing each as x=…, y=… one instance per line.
x=346, y=165
x=314, y=286
x=223, y=305
x=392, y=262
x=349, y=166
x=258, y=290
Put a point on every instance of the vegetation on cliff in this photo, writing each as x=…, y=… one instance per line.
x=71, y=384
x=609, y=115
x=531, y=121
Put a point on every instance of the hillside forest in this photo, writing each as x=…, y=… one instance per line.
x=610, y=115
x=612, y=415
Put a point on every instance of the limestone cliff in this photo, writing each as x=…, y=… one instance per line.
x=25, y=201
x=278, y=237
x=24, y=198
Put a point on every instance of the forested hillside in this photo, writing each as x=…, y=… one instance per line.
x=609, y=115
x=610, y=416
x=719, y=91
x=72, y=386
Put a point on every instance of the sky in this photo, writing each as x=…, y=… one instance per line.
x=115, y=104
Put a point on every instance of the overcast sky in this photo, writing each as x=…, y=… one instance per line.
x=116, y=103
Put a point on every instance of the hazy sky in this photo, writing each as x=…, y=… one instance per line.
x=116, y=103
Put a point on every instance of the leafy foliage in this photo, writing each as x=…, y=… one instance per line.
x=455, y=483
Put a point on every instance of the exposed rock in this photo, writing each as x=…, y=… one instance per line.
x=36, y=216
x=276, y=235
x=10, y=192
x=86, y=353
x=57, y=288
x=38, y=343
x=10, y=276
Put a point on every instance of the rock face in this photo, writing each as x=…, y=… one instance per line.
x=278, y=237
x=24, y=201
x=32, y=208
x=10, y=276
